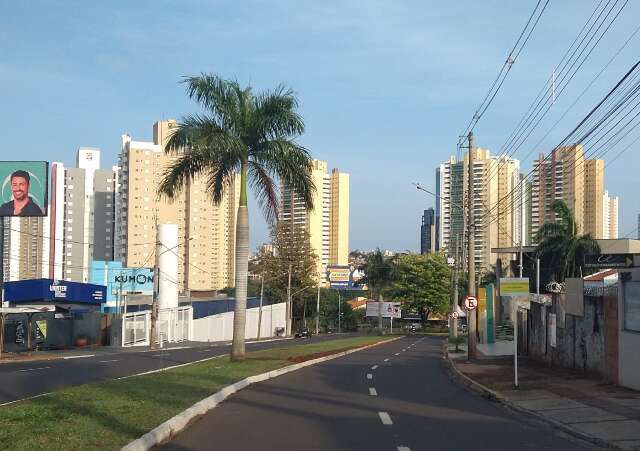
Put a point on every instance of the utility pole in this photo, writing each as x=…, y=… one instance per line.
x=339, y=312
x=318, y=311
x=289, y=315
x=260, y=309
x=454, y=307
x=156, y=290
x=471, y=314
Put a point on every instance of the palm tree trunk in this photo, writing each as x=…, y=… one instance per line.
x=242, y=264
x=380, y=312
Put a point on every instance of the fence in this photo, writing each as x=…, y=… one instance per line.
x=220, y=327
x=136, y=328
x=174, y=326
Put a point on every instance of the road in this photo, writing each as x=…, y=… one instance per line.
x=19, y=380
x=397, y=396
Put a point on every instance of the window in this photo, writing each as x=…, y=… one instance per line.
x=632, y=306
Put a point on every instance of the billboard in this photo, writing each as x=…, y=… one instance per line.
x=121, y=280
x=42, y=290
x=514, y=286
x=341, y=277
x=389, y=309
x=24, y=188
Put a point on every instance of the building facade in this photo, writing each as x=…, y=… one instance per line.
x=609, y=216
x=206, y=232
x=428, y=231
x=328, y=222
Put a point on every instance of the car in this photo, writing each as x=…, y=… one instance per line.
x=303, y=333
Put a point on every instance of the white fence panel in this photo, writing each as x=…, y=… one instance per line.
x=220, y=327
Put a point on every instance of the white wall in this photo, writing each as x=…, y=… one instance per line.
x=220, y=327
x=628, y=344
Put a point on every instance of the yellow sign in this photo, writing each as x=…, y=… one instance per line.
x=42, y=328
x=514, y=286
x=482, y=299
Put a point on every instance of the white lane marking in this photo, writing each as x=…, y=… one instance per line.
x=385, y=418
x=369, y=376
x=79, y=356
x=404, y=350
x=386, y=360
x=397, y=353
x=169, y=367
x=372, y=391
x=207, y=350
x=374, y=367
x=403, y=448
x=34, y=369
x=109, y=361
x=160, y=355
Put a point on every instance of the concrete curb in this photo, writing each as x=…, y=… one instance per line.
x=492, y=395
x=174, y=425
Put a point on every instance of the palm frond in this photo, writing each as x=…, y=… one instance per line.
x=266, y=193
x=188, y=165
x=217, y=95
x=221, y=174
x=276, y=116
x=566, y=216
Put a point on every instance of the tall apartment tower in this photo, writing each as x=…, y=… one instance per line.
x=82, y=216
x=567, y=175
x=26, y=248
x=328, y=222
x=428, y=232
x=609, y=216
x=206, y=232
x=499, y=209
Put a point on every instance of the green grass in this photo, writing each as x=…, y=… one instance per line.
x=108, y=415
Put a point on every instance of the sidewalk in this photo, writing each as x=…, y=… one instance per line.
x=601, y=413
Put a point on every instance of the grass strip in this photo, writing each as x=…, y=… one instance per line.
x=108, y=415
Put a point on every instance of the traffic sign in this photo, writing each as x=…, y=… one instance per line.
x=454, y=315
x=470, y=302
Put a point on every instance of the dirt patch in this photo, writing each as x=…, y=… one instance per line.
x=317, y=355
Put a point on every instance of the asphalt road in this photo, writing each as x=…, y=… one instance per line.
x=397, y=396
x=20, y=380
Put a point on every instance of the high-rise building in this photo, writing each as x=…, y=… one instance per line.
x=82, y=216
x=609, y=216
x=206, y=232
x=25, y=248
x=498, y=208
x=428, y=232
x=328, y=222
x=567, y=175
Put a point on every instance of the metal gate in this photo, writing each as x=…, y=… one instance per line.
x=174, y=324
x=136, y=328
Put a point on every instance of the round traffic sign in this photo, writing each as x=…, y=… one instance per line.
x=470, y=302
x=454, y=315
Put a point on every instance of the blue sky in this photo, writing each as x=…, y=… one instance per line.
x=385, y=86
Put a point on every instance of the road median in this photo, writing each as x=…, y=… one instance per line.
x=111, y=414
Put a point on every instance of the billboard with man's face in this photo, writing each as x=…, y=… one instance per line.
x=24, y=188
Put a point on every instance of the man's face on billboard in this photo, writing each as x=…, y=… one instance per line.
x=19, y=188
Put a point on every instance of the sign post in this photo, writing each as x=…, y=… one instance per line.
x=514, y=287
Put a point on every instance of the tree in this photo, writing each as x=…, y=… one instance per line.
x=422, y=283
x=560, y=247
x=239, y=132
x=292, y=248
x=379, y=273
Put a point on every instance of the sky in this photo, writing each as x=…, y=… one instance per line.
x=385, y=87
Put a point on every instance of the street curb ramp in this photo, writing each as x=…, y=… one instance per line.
x=178, y=423
x=492, y=395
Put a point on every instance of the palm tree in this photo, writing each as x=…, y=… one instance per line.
x=561, y=246
x=379, y=272
x=240, y=132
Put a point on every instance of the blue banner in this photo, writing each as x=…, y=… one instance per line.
x=49, y=290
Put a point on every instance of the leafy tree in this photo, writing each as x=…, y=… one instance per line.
x=560, y=247
x=239, y=132
x=292, y=247
x=423, y=283
x=379, y=274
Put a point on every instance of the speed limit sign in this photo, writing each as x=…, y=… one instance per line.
x=470, y=302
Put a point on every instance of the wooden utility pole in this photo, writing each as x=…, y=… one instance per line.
x=471, y=314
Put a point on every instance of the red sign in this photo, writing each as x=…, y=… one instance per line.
x=470, y=302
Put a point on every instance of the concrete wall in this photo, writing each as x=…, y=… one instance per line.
x=580, y=340
x=220, y=327
x=628, y=341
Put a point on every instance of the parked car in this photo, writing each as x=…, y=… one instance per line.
x=303, y=333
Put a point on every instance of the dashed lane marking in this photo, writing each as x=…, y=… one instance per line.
x=385, y=418
x=369, y=376
x=372, y=391
x=403, y=448
x=386, y=360
x=374, y=367
x=109, y=361
x=397, y=353
x=78, y=356
x=35, y=369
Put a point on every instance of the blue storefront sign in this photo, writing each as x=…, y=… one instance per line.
x=121, y=280
x=50, y=290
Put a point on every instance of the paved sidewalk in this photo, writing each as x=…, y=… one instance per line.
x=607, y=414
